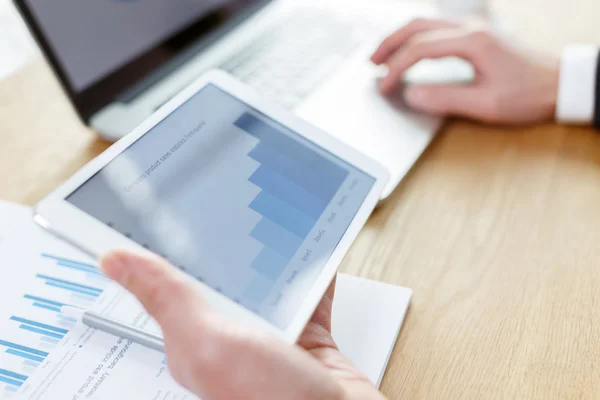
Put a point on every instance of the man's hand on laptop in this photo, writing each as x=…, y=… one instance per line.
x=512, y=84
x=217, y=359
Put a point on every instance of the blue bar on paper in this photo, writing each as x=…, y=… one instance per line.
x=98, y=276
x=83, y=297
x=10, y=381
x=315, y=182
x=12, y=389
x=283, y=214
x=39, y=325
x=276, y=238
x=258, y=290
x=288, y=191
x=66, y=260
x=31, y=363
x=269, y=263
x=13, y=375
x=63, y=317
x=72, y=289
x=42, y=300
x=79, y=268
x=50, y=340
x=23, y=348
x=46, y=307
x=24, y=355
x=41, y=331
x=309, y=159
x=88, y=288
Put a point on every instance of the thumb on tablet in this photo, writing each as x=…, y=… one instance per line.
x=190, y=329
x=164, y=291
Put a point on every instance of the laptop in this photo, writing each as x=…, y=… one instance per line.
x=120, y=60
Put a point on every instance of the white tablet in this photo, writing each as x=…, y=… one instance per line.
x=256, y=204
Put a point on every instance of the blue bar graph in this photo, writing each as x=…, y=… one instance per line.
x=79, y=268
x=85, y=298
x=65, y=318
x=49, y=340
x=14, y=375
x=305, y=177
x=30, y=363
x=42, y=300
x=42, y=331
x=72, y=289
x=72, y=262
x=283, y=214
x=276, y=238
x=24, y=349
x=269, y=263
x=45, y=304
x=330, y=174
x=51, y=326
x=47, y=307
x=289, y=192
x=69, y=284
x=39, y=325
x=11, y=381
x=297, y=185
x=25, y=355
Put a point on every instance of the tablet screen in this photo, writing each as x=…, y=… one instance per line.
x=239, y=201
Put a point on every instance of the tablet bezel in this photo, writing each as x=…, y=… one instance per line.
x=70, y=223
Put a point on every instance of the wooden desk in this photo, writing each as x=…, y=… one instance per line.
x=496, y=230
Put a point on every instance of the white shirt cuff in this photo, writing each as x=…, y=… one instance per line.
x=577, y=85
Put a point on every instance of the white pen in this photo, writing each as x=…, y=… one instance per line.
x=116, y=328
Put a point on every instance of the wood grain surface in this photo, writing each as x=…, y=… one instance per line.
x=496, y=230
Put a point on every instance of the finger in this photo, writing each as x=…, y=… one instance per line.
x=164, y=291
x=399, y=38
x=331, y=290
x=322, y=315
x=317, y=334
x=445, y=100
x=430, y=45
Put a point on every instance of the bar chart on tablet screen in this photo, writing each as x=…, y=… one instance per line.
x=238, y=201
x=296, y=185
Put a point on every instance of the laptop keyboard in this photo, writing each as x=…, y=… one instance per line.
x=291, y=60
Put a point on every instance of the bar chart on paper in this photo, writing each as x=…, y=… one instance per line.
x=37, y=325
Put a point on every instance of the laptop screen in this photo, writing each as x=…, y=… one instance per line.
x=106, y=46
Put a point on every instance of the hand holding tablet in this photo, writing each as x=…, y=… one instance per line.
x=256, y=204
x=215, y=358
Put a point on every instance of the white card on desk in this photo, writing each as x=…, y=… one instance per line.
x=366, y=321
